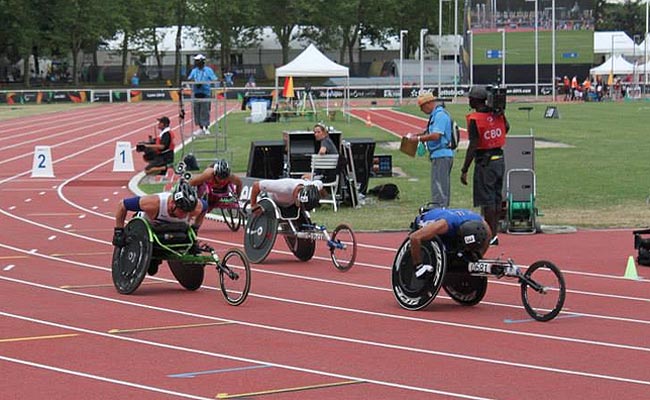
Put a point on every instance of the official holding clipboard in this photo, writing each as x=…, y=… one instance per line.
x=436, y=137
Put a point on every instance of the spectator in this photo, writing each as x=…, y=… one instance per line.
x=327, y=146
x=215, y=183
x=437, y=137
x=202, y=92
x=159, y=152
x=487, y=136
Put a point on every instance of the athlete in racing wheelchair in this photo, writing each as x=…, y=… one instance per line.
x=445, y=249
x=283, y=208
x=161, y=231
x=222, y=190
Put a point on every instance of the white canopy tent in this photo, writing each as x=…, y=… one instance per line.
x=616, y=66
x=617, y=42
x=312, y=63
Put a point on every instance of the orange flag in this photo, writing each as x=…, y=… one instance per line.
x=287, y=91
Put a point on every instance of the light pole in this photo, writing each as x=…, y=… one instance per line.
x=455, y=47
x=536, y=49
x=645, y=48
x=471, y=57
x=503, y=55
x=422, y=33
x=401, y=64
x=553, y=49
x=439, y=44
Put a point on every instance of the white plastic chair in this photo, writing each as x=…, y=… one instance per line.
x=322, y=163
x=258, y=111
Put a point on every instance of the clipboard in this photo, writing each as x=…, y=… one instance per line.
x=407, y=147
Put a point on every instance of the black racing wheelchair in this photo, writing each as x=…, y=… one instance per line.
x=147, y=245
x=300, y=234
x=542, y=284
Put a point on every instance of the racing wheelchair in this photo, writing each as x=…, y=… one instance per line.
x=300, y=234
x=542, y=284
x=147, y=245
x=230, y=207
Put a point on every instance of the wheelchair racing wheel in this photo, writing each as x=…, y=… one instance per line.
x=233, y=217
x=464, y=288
x=302, y=248
x=414, y=293
x=130, y=263
x=261, y=231
x=234, y=276
x=343, y=247
x=544, y=302
x=190, y=276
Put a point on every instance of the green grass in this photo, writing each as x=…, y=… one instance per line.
x=520, y=47
x=599, y=181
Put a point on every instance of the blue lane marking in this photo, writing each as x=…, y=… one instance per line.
x=216, y=371
x=516, y=321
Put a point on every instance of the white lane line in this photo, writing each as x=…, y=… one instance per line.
x=51, y=237
x=103, y=378
x=9, y=267
x=243, y=359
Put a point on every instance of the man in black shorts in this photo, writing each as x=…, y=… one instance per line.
x=487, y=136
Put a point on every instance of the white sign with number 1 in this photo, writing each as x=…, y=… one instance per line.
x=123, y=157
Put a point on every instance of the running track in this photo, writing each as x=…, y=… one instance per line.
x=306, y=331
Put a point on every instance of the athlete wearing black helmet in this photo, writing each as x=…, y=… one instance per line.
x=459, y=229
x=216, y=183
x=180, y=206
x=288, y=192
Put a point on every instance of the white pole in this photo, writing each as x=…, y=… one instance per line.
x=401, y=64
x=536, y=52
x=553, y=50
x=439, y=45
x=645, y=48
x=422, y=32
x=455, y=47
x=503, y=56
x=471, y=58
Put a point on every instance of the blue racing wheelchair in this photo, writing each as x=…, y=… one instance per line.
x=543, y=288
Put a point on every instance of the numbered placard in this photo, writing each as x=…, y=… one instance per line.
x=123, y=160
x=42, y=165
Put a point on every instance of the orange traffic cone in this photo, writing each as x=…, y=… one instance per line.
x=368, y=121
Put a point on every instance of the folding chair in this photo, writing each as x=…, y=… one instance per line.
x=322, y=163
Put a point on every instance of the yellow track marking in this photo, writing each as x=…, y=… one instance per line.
x=161, y=328
x=285, y=390
x=22, y=339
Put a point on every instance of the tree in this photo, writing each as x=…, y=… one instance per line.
x=285, y=16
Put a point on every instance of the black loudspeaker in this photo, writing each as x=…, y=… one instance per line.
x=266, y=159
x=363, y=150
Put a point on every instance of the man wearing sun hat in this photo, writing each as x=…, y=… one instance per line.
x=201, y=92
x=436, y=137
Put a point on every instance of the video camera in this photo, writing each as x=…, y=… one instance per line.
x=496, y=99
x=140, y=147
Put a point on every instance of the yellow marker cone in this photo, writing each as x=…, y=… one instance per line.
x=630, y=270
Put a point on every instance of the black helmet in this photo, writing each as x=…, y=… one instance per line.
x=185, y=196
x=309, y=197
x=472, y=235
x=478, y=92
x=221, y=169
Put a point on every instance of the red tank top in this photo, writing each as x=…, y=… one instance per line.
x=491, y=129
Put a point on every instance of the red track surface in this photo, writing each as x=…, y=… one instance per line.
x=304, y=325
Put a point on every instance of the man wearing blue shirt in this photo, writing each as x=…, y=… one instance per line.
x=436, y=138
x=201, y=92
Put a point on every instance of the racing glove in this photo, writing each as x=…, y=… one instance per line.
x=119, y=238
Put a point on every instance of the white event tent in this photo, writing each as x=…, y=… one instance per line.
x=312, y=63
x=616, y=65
x=617, y=42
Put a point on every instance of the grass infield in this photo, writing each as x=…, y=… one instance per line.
x=599, y=179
